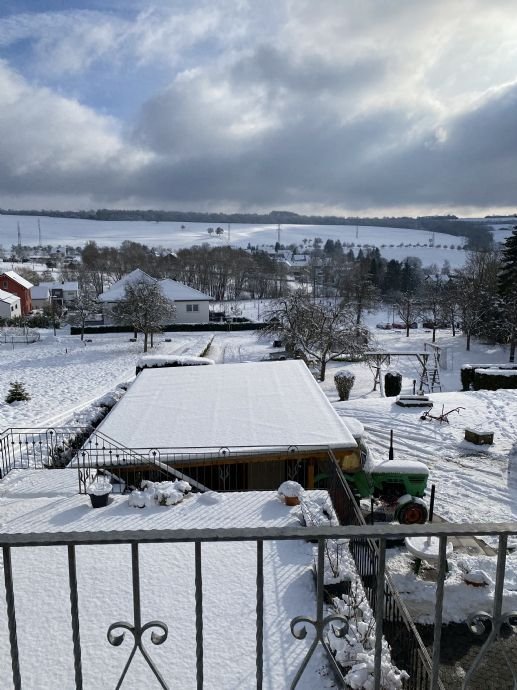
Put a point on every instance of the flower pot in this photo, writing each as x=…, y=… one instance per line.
x=99, y=501
x=292, y=500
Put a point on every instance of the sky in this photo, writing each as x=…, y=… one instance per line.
x=350, y=107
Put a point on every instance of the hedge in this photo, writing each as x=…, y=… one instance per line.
x=467, y=372
x=176, y=327
x=492, y=380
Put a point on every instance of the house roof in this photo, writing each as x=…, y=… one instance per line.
x=8, y=297
x=71, y=285
x=264, y=405
x=40, y=292
x=18, y=279
x=172, y=289
x=179, y=292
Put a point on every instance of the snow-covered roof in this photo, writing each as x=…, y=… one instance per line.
x=40, y=292
x=267, y=405
x=179, y=292
x=172, y=289
x=117, y=290
x=162, y=360
x=69, y=285
x=18, y=279
x=8, y=297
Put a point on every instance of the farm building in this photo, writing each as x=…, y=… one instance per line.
x=191, y=305
x=241, y=426
x=9, y=305
x=11, y=282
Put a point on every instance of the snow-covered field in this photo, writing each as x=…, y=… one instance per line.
x=394, y=243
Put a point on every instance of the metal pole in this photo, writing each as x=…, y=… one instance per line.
x=431, y=503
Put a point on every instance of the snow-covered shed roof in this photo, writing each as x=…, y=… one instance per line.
x=8, y=297
x=18, y=279
x=172, y=289
x=268, y=405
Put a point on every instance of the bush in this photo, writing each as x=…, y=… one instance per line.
x=494, y=379
x=16, y=392
x=344, y=381
x=392, y=383
x=468, y=373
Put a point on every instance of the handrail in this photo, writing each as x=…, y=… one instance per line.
x=377, y=531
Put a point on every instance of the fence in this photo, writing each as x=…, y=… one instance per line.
x=380, y=534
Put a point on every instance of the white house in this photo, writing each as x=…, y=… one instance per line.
x=10, y=305
x=191, y=305
x=64, y=291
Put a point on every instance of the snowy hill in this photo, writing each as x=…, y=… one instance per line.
x=394, y=243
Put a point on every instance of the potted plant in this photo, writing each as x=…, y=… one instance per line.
x=99, y=491
x=290, y=491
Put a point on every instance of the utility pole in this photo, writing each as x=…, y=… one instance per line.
x=39, y=233
x=19, y=236
x=229, y=234
x=278, y=234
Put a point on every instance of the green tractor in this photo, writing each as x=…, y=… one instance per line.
x=398, y=484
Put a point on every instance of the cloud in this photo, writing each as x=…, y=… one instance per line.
x=352, y=107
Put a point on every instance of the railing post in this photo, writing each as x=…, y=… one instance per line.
x=199, y=617
x=442, y=567
x=260, y=613
x=11, y=618
x=379, y=613
x=74, y=608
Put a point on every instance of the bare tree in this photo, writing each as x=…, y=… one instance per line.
x=409, y=308
x=144, y=307
x=319, y=331
x=82, y=308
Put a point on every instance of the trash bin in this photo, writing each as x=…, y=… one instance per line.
x=392, y=383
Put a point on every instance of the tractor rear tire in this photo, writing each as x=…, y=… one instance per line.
x=412, y=513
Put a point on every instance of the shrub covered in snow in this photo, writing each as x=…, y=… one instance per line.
x=494, y=379
x=356, y=649
x=99, y=487
x=159, y=493
x=158, y=361
x=16, y=392
x=344, y=381
x=290, y=489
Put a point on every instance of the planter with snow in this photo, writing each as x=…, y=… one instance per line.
x=291, y=492
x=99, y=491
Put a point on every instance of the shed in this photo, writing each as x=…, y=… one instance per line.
x=9, y=305
x=259, y=419
x=11, y=282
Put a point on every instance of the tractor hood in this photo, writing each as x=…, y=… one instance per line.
x=400, y=467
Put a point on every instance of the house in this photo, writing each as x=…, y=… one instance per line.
x=10, y=305
x=11, y=282
x=264, y=421
x=64, y=291
x=40, y=296
x=191, y=305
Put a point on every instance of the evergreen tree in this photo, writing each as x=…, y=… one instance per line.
x=508, y=272
x=16, y=392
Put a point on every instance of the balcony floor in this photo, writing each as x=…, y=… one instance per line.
x=41, y=501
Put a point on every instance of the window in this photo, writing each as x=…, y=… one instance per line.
x=4, y=284
x=192, y=307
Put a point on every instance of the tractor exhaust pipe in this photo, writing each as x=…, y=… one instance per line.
x=391, y=454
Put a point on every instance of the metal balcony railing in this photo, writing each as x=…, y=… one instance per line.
x=318, y=625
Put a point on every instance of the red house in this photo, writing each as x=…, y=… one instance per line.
x=16, y=285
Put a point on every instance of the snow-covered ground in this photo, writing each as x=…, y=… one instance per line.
x=61, y=373
x=48, y=501
x=394, y=243
x=472, y=482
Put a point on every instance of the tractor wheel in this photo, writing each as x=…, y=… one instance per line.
x=412, y=514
